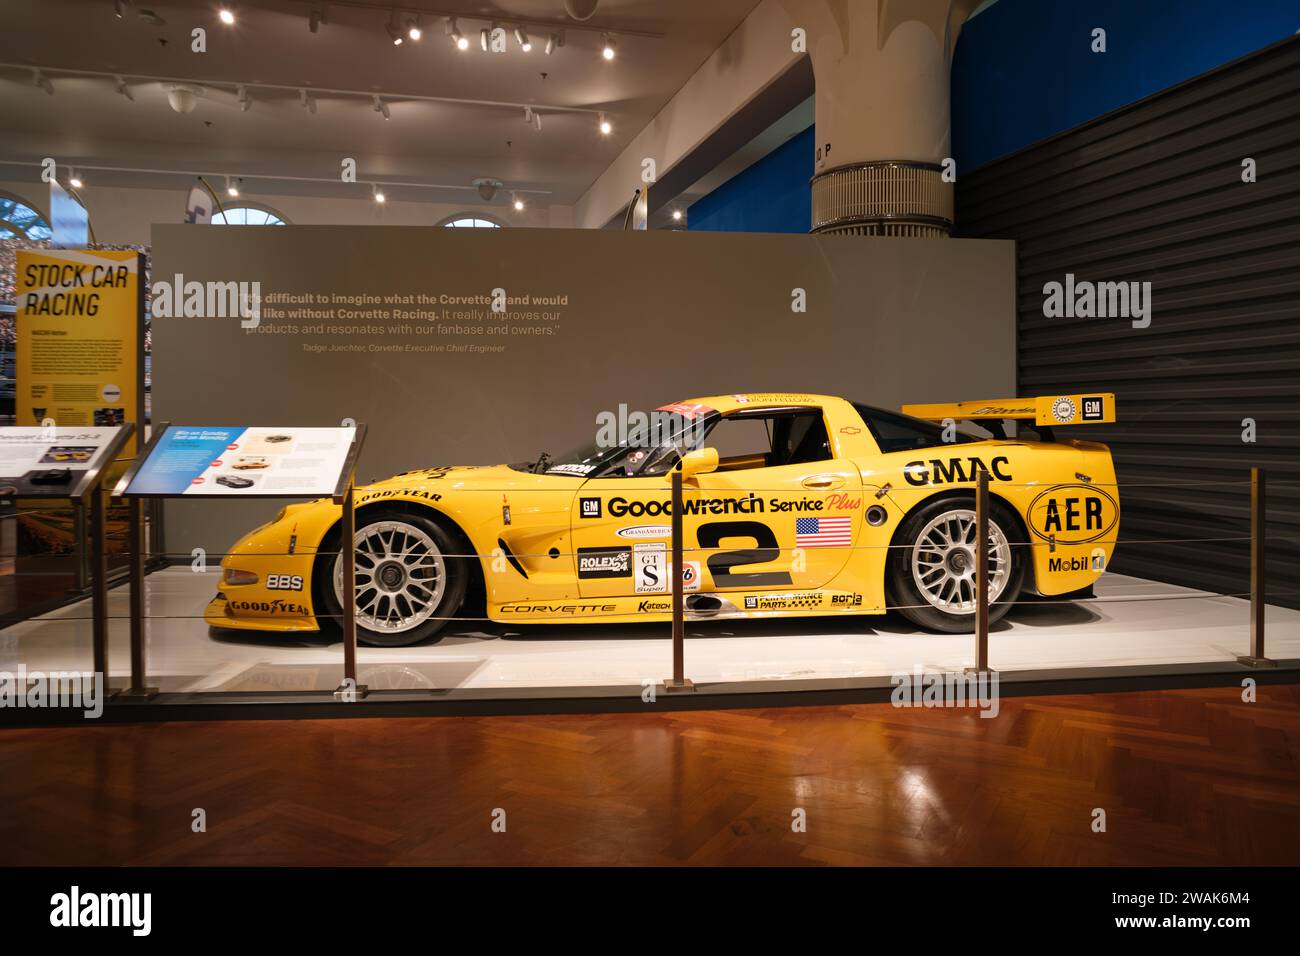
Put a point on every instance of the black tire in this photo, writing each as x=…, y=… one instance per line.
x=419, y=529
x=906, y=594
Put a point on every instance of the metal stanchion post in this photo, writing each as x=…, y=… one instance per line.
x=1257, y=657
x=679, y=681
x=137, y=690
x=981, y=572
x=99, y=584
x=347, y=550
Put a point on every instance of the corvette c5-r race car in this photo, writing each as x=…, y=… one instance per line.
x=794, y=505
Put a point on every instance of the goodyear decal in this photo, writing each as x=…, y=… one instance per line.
x=1073, y=514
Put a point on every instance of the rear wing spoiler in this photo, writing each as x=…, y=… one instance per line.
x=1088, y=409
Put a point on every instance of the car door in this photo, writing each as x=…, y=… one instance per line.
x=779, y=513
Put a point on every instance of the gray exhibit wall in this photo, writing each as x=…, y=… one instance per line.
x=393, y=327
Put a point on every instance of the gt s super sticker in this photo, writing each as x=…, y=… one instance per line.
x=1073, y=514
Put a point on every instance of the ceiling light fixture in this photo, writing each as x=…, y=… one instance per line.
x=521, y=36
x=382, y=108
x=315, y=19
x=605, y=127
x=119, y=8
x=74, y=180
x=308, y=101
x=42, y=81
x=377, y=194
x=677, y=215
x=607, y=47
x=553, y=41
x=519, y=203
x=120, y=84
x=458, y=38
x=415, y=28
x=231, y=189
x=226, y=13
x=241, y=92
x=484, y=36
x=394, y=33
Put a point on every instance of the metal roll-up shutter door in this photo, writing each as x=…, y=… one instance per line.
x=1153, y=193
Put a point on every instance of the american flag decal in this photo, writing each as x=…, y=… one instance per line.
x=823, y=532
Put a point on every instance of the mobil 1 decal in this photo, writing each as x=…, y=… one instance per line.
x=1073, y=514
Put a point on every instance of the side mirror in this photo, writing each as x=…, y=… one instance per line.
x=699, y=462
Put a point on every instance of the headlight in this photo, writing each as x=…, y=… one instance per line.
x=236, y=576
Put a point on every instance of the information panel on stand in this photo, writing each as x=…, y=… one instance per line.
x=241, y=461
x=42, y=461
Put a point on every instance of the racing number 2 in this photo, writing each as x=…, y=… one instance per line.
x=766, y=548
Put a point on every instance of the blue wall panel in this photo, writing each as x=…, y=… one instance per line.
x=772, y=195
x=1024, y=70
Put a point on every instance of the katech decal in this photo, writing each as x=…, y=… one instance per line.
x=604, y=562
x=1073, y=514
x=943, y=471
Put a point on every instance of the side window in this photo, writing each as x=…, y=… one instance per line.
x=767, y=441
x=895, y=432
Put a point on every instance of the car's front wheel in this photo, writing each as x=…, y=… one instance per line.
x=409, y=579
x=932, y=573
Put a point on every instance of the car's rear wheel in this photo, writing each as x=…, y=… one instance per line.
x=409, y=580
x=932, y=577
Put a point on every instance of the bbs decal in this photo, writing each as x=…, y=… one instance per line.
x=284, y=582
x=722, y=565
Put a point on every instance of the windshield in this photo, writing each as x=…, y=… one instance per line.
x=632, y=444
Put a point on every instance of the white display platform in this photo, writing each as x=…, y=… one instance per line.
x=1175, y=626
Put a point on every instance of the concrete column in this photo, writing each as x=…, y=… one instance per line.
x=882, y=74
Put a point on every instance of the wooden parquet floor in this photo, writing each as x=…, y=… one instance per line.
x=1184, y=777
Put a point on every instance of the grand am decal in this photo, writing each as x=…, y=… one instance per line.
x=604, y=562
x=646, y=531
x=946, y=471
x=1073, y=514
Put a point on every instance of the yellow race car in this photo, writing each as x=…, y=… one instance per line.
x=794, y=505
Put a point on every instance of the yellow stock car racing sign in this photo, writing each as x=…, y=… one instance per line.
x=793, y=505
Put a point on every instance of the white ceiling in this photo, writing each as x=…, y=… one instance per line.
x=87, y=123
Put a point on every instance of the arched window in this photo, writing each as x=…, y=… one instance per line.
x=470, y=222
x=21, y=221
x=245, y=214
